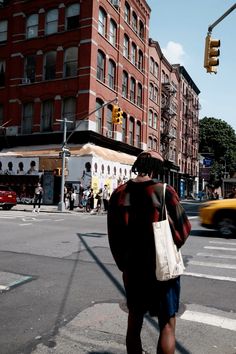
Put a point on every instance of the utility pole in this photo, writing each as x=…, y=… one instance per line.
x=64, y=153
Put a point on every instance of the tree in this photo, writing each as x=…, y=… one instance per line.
x=218, y=139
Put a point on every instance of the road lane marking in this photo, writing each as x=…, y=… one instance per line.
x=211, y=264
x=223, y=243
x=220, y=248
x=192, y=217
x=25, y=224
x=209, y=319
x=209, y=276
x=227, y=256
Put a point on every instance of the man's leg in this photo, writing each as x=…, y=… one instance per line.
x=133, y=335
x=166, y=342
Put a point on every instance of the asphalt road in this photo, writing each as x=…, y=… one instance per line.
x=71, y=268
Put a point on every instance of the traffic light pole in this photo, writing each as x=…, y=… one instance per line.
x=61, y=204
x=210, y=28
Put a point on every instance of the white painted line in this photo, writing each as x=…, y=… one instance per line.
x=227, y=256
x=209, y=276
x=209, y=319
x=211, y=264
x=59, y=219
x=192, y=217
x=4, y=287
x=25, y=224
x=220, y=248
x=223, y=243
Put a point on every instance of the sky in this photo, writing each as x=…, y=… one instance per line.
x=180, y=27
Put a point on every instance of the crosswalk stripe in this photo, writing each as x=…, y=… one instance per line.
x=223, y=243
x=209, y=276
x=211, y=264
x=220, y=248
x=209, y=319
x=226, y=256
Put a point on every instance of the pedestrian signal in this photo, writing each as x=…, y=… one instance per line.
x=117, y=115
x=212, y=52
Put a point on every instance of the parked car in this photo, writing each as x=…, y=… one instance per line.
x=7, y=197
x=220, y=215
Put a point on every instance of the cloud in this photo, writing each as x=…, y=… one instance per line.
x=174, y=53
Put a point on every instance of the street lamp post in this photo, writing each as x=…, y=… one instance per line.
x=64, y=151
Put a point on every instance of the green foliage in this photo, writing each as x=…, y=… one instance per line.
x=218, y=139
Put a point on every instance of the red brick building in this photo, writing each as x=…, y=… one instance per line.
x=66, y=59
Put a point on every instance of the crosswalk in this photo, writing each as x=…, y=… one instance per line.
x=217, y=260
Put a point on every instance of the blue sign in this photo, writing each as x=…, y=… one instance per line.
x=207, y=162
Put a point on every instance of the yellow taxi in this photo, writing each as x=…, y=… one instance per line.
x=220, y=215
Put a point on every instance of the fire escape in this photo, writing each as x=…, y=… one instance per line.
x=168, y=112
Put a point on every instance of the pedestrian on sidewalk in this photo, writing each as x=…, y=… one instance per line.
x=38, y=194
x=133, y=207
x=105, y=197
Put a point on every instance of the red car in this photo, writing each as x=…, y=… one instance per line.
x=7, y=197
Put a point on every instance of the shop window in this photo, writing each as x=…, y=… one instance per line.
x=32, y=26
x=71, y=62
x=72, y=16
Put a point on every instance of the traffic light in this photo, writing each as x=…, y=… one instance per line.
x=212, y=53
x=117, y=115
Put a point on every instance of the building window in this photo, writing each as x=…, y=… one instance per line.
x=138, y=134
x=69, y=111
x=151, y=65
x=27, y=118
x=70, y=62
x=150, y=118
x=141, y=29
x=131, y=131
x=123, y=132
x=32, y=26
x=125, y=84
x=47, y=116
x=151, y=91
x=149, y=143
x=111, y=74
x=132, y=90
x=1, y=114
x=155, y=93
x=112, y=34
x=155, y=144
x=140, y=95
x=127, y=12
x=50, y=65
x=134, y=22
x=72, y=16
x=2, y=72
x=155, y=70
x=155, y=121
x=3, y=31
x=98, y=116
x=101, y=66
x=140, y=60
x=102, y=20
x=51, y=21
x=109, y=119
x=30, y=68
x=133, y=53
x=126, y=46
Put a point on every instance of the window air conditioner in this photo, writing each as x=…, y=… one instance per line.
x=109, y=133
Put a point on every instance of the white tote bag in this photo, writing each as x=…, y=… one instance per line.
x=169, y=261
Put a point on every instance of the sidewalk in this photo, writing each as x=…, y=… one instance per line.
x=48, y=209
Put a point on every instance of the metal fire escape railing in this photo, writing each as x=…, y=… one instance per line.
x=168, y=112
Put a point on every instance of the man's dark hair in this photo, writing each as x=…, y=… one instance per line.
x=147, y=163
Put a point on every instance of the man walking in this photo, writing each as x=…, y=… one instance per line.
x=38, y=194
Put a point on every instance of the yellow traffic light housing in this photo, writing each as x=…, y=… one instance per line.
x=212, y=52
x=117, y=115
